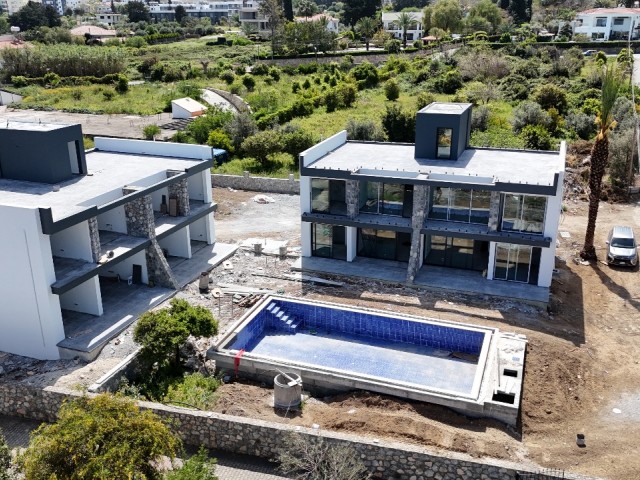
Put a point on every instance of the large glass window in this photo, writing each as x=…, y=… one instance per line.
x=445, y=136
x=524, y=213
x=513, y=262
x=601, y=22
x=384, y=244
x=328, y=196
x=455, y=252
x=459, y=205
x=386, y=198
x=328, y=241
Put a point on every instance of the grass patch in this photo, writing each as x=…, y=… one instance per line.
x=193, y=390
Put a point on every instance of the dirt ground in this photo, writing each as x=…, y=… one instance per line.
x=582, y=370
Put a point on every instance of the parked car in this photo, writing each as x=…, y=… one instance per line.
x=589, y=53
x=621, y=247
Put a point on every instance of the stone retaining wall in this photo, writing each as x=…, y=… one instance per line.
x=289, y=186
x=237, y=102
x=263, y=439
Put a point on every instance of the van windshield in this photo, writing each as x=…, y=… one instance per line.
x=623, y=242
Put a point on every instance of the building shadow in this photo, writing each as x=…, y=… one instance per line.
x=615, y=288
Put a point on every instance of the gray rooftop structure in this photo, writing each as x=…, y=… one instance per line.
x=491, y=169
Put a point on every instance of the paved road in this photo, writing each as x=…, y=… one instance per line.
x=230, y=467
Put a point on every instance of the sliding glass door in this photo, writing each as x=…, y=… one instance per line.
x=513, y=262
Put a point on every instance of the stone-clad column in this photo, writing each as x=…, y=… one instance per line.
x=494, y=211
x=94, y=236
x=353, y=198
x=420, y=200
x=141, y=223
x=179, y=191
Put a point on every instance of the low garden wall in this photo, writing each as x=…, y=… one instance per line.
x=289, y=185
x=263, y=439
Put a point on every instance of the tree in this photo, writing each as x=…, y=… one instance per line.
x=404, y=22
x=99, y=438
x=34, y=15
x=272, y=11
x=367, y=27
x=354, y=10
x=307, y=8
x=137, y=12
x=5, y=458
x=391, y=90
x=520, y=10
x=399, y=125
x=288, y=10
x=489, y=11
x=611, y=84
x=180, y=13
x=447, y=15
x=163, y=332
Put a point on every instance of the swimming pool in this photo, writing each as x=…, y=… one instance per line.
x=340, y=347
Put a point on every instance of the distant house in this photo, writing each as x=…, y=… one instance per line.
x=95, y=32
x=389, y=25
x=109, y=18
x=602, y=24
x=214, y=11
x=332, y=23
x=186, y=108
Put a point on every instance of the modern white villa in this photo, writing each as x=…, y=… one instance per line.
x=602, y=24
x=433, y=212
x=389, y=24
x=85, y=235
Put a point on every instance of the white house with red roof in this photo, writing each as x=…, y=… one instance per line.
x=332, y=23
x=602, y=24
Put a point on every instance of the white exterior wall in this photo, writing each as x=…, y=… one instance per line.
x=113, y=220
x=73, y=242
x=589, y=21
x=196, y=185
x=208, y=189
x=149, y=147
x=352, y=243
x=30, y=318
x=179, y=112
x=203, y=230
x=156, y=198
x=305, y=207
x=125, y=268
x=319, y=150
x=85, y=298
x=178, y=244
x=389, y=25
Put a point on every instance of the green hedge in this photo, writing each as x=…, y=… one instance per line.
x=21, y=81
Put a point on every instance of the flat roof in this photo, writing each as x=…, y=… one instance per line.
x=446, y=108
x=108, y=172
x=480, y=165
x=31, y=126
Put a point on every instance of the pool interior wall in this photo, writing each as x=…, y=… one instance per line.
x=340, y=346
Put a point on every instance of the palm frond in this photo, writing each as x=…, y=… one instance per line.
x=611, y=83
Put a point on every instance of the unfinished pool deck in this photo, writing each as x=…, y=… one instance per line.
x=442, y=278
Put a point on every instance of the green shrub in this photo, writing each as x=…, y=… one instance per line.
x=150, y=131
x=19, y=81
x=122, y=84
x=391, y=90
x=197, y=467
x=583, y=125
x=227, y=77
x=449, y=83
x=108, y=95
x=51, y=79
x=249, y=82
x=219, y=139
x=480, y=118
x=260, y=69
x=423, y=99
x=393, y=46
x=551, y=96
x=399, y=125
x=536, y=137
x=194, y=390
x=529, y=113
x=364, y=130
x=366, y=74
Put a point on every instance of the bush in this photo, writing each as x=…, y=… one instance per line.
x=393, y=46
x=122, y=84
x=314, y=459
x=198, y=467
x=366, y=74
x=261, y=145
x=51, y=79
x=536, y=137
x=5, y=458
x=582, y=124
x=249, y=82
x=621, y=156
x=101, y=437
x=424, y=99
x=260, y=69
x=399, y=125
x=480, y=119
x=194, y=390
x=364, y=130
x=449, y=83
x=391, y=90
x=529, y=113
x=551, y=96
x=150, y=131
x=227, y=77
x=219, y=139
x=295, y=141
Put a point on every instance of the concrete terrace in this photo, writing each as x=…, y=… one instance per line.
x=461, y=281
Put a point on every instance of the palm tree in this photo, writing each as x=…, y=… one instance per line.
x=367, y=27
x=600, y=155
x=404, y=22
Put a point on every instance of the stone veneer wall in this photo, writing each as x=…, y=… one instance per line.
x=139, y=215
x=494, y=211
x=352, y=198
x=158, y=267
x=179, y=191
x=289, y=186
x=94, y=236
x=420, y=196
x=263, y=439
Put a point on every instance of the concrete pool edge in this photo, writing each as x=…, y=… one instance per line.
x=490, y=386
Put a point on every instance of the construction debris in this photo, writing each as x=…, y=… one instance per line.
x=263, y=199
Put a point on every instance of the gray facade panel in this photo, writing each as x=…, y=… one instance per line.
x=427, y=124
